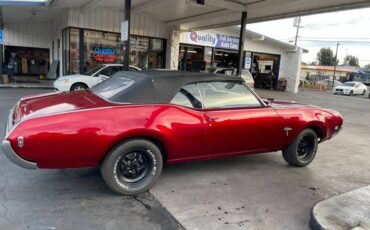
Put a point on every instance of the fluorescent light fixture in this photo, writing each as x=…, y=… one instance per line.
x=192, y=51
x=24, y=2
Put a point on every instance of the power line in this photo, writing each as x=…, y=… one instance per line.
x=333, y=41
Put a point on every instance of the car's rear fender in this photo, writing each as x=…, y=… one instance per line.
x=151, y=135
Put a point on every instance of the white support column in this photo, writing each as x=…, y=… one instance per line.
x=172, y=51
x=291, y=67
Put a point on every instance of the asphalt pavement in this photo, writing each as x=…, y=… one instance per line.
x=246, y=192
x=68, y=199
x=262, y=191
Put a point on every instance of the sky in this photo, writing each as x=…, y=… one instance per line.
x=351, y=28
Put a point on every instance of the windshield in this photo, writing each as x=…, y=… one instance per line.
x=92, y=71
x=351, y=84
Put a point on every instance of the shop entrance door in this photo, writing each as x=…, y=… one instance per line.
x=226, y=58
x=191, y=59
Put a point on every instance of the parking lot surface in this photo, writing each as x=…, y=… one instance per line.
x=262, y=191
x=247, y=192
x=68, y=199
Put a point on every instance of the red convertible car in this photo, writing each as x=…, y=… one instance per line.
x=133, y=123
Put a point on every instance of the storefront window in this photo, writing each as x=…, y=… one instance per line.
x=105, y=47
x=74, y=50
x=139, y=52
x=226, y=58
x=100, y=48
x=155, y=53
x=208, y=56
x=192, y=59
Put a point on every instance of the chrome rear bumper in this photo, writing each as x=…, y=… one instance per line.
x=13, y=157
x=8, y=150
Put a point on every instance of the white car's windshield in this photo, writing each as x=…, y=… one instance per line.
x=92, y=71
x=351, y=84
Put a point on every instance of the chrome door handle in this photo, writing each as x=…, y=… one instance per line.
x=209, y=119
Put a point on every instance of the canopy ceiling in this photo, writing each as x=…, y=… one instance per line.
x=187, y=14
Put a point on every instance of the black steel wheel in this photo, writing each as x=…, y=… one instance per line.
x=132, y=167
x=302, y=150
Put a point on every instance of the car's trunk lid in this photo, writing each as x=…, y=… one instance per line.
x=51, y=103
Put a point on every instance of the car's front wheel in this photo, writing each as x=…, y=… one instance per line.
x=302, y=150
x=350, y=93
x=78, y=86
x=364, y=92
x=132, y=167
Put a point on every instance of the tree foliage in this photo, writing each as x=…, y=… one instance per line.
x=351, y=61
x=326, y=57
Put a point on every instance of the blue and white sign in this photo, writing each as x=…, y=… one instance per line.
x=247, y=63
x=227, y=42
x=1, y=37
x=221, y=41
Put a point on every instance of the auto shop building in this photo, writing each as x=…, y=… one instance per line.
x=164, y=33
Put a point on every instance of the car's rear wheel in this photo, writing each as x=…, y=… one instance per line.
x=78, y=86
x=302, y=150
x=132, y=167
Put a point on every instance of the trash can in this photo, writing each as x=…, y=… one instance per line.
x=5, y=79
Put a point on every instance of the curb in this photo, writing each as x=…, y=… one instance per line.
x=318, y=218
x=25, y=87
x=314, y=224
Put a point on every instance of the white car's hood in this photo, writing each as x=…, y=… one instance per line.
x=70, y=77
x=344, y=87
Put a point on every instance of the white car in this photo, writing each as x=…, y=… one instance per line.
x=329, y=82
x=90, y=78
x=351, y=88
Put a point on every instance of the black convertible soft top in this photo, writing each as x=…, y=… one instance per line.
x=152, y=86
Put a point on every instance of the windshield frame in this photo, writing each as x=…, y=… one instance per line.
x=349, y=84
x=94, y=70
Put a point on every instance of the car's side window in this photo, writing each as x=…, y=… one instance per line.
x=115, y=69
x=106, y=71
x=227, y=95
x=188, y=96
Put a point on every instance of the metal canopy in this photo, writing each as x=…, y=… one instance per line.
x=187, y=14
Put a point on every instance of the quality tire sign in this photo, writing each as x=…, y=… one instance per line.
x=221, y=41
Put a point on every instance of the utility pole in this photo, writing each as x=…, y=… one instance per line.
x=335, y=63
x=125, y=35
x=297, y=23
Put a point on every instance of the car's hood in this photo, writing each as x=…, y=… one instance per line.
x=51, y=103
x=344, y=87
x=69, y=77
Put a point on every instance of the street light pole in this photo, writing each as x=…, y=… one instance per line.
x=335, y=63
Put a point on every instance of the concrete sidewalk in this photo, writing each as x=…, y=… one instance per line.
x=350, y=210
x=42, y=84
